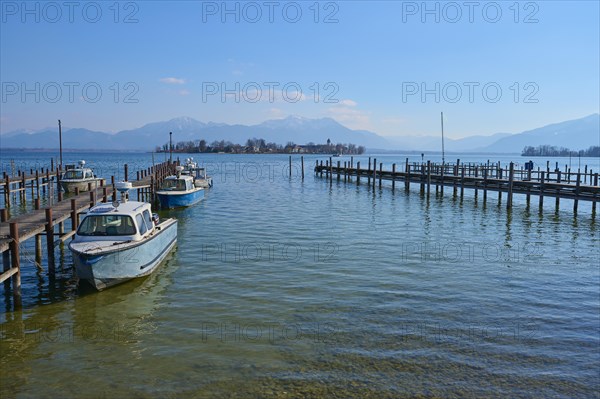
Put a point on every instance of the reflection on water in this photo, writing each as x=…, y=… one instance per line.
x=284, y=288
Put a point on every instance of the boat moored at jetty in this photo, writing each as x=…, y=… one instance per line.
x=201, y=179
x=78, y=177
x=179, y=191
x=119, y=241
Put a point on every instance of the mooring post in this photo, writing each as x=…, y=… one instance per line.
x=358, y=173
x=443, y=170
x=476, y=180
x=38, y=238
x=541, y=195
x=15, y=263
x=422, y=186
x=454, y=185
x=50, y=239
x=374, y=171
x=125, y=172
x=369, y=173
x=302, y=165
x=330, y=171
x=47, y=182
x=74, y=221
x=24, y=188
x=338, y=170
x=3, y=215
x=407, y=177
x=462, y=181
x=7, y=191
x=290, y=165
x=577, y=184
x=485, y=174
x=92, y=198
x=37, y=182
x=345, y=171
x=511, y=172
x=595, y=184
x=558, y=189
x=76, y=191
x=393, y=176
x=428, y=177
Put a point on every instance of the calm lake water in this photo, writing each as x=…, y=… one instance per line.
x=284, y=288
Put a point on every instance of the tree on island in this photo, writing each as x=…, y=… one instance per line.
x=552, y=151
x=260, y=146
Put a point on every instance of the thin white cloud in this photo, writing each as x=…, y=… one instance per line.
x=351, y=117
x=173, y=81
x=184, y=92
x=348, y=103
x=276, y=113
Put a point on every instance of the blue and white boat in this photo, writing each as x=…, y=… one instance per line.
x=78, y=177
x=201, y=179
x=119, y=241
x=179, y=190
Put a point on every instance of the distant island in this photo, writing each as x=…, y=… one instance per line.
x=552, y=151
x=260, y=146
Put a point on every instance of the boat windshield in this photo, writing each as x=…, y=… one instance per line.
x=174, y=185
x=107, y=225
x=73, y=174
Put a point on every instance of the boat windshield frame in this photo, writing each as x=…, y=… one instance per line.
x=174, y=185
x=100, y=224
x=73, y=174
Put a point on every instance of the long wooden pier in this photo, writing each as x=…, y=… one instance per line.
x=50, y=221
x=576, y=186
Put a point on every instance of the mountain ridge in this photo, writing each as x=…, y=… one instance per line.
x=575, y=134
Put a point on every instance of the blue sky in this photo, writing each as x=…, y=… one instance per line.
x=389, y=67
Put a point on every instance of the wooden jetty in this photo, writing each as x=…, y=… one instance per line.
x=50, y=221
x=576, y=186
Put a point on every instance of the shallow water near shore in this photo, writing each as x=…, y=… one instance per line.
x=283, y=287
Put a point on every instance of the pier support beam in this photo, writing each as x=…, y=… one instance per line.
x=511, y=172
x=15, y=263
x=50, y=240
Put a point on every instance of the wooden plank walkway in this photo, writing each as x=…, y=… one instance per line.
x=455, y=175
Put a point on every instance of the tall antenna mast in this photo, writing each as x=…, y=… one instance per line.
x=443, y=159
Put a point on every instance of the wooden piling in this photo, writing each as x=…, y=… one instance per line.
x=302, y=165
x=50, y=239
x=577, y=185
x=541, y=193
x=369, y=173
x=15, y=263
x=595, y=184
x=393, y=176
x=358, y=173
x=510, y=185
x=428, y=178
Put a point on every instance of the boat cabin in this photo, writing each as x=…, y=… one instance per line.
x=129, y=221
x=178, y=183
x=78, y=173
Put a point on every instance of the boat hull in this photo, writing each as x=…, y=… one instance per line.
x=171, y=199
x=104, y=269
x=82, y=185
